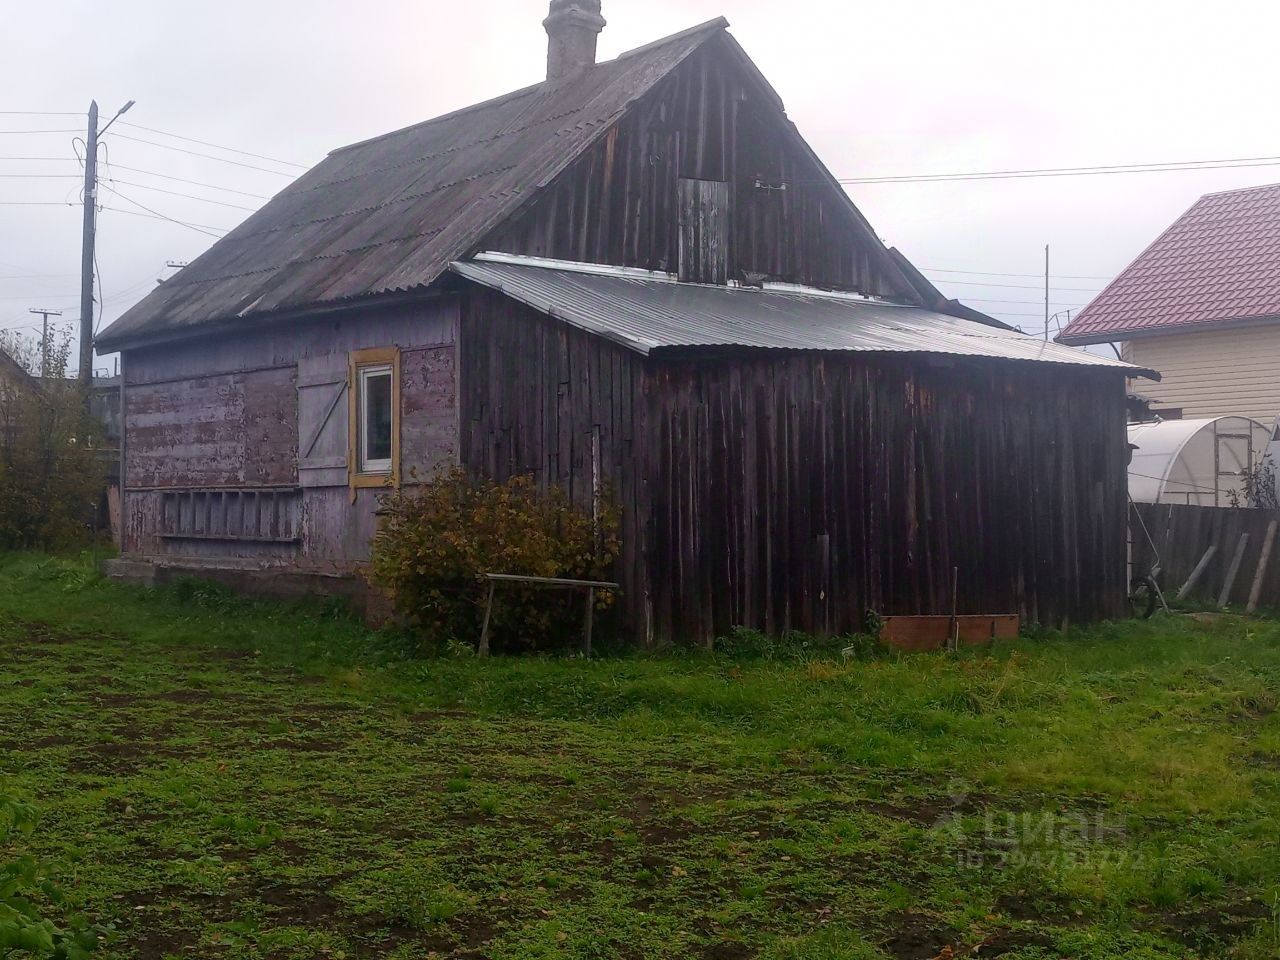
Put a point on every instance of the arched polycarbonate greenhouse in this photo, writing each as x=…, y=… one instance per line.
x=1199, y=462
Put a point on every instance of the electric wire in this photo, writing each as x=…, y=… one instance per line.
x=207, y=156
x=194, y=183
x=1020, y=286
x=1032, y=276
x=205, y=228
x=216, y=146
x=1173, y=166
x=188, y=196
x=17, y=132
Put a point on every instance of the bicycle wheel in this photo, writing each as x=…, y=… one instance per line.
x=1143, y=597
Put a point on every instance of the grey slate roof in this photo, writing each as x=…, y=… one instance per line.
x=390, y=214
x=651, y=313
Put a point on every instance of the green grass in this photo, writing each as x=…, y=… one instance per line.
x=233, y=779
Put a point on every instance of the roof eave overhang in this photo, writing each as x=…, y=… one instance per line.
x=260, y=319
x=1199, y=326
x=549, y=307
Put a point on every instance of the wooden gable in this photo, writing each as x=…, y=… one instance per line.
x=706, y=177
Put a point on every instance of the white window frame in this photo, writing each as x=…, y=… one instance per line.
x=369, y=466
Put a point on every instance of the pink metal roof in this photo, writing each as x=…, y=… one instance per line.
x=1219, y=262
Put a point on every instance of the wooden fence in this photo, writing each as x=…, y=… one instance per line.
x=1182, y=535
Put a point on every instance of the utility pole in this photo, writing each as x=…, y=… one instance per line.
x=1046, y=293
x=89, y=238
x=44, y=337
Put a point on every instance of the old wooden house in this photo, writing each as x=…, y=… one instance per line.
x=635, y=273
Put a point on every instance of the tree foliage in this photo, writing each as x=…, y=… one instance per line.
x=435, y=544
x=51, y=475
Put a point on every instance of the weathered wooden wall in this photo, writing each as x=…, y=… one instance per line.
x=223, y=416
x=798, y=491
x=231, y=429
x=1180, y=535
x=709, y=121
x=537, y=397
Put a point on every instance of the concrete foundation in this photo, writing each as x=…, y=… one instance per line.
x=279, y=582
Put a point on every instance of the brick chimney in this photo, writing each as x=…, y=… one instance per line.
x=573, y=27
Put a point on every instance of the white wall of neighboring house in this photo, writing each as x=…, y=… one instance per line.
x=1214, y=373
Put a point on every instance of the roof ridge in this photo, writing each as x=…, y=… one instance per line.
x=718, y=23
x=1223, y=193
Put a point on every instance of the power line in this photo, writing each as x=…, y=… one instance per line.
x=1159, y=167
x=194, y=183
x=16, y=132
x=1033, y=276
x=18, y=266
x=40, y=176
x=35, y=203
x=207, y=156
x=1056, y=303
x=216, y=146
x=149, y=216
x=188, y=196
x=1019, y=286
x=155, y=214
x=1004, y=313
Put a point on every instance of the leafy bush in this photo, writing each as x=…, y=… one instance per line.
x=51, y=477
x=27, y=892
x=436, y=543
x=1258, y=487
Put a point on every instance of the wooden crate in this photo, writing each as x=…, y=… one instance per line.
x=930, y=633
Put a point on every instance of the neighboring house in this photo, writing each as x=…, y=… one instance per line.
x=1202, y=306
x=16, y=384
x=635, y=275
x=13, y=375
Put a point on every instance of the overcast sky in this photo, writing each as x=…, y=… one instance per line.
x=879, y=88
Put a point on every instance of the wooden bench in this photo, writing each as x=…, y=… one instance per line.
x=553, y=583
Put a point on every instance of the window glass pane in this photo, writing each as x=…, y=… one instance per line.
x=376, y=419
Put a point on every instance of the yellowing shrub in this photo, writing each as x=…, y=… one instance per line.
x=435, y=543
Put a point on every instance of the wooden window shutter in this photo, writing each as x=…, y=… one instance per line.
x=322, y=421
x=704, y=231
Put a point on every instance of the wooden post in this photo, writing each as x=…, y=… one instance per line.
x=1198, y=572
x=953, y=629
x=484, y=632
x=1233, y=571
x=1255, y=594
x=586, y=625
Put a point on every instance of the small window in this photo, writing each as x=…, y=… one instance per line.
x=376, y=419
x=374, y=434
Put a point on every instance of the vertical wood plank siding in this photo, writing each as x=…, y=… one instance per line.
x=619, y=203
x=538, y=397
x=797, y=491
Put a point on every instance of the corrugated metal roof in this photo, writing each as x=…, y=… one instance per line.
x=389, y=214
x=1218, y=263
x=650, y=312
